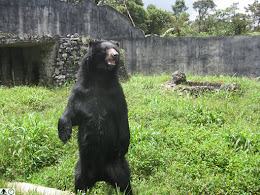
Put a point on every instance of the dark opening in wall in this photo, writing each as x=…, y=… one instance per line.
x=25, y=64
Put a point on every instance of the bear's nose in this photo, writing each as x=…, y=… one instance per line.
x=115, y=54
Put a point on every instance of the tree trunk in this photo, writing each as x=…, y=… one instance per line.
x=129, y=15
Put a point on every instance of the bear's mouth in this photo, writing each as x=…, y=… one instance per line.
x=111, y=63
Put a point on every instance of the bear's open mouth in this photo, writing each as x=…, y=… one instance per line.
x=112, y=63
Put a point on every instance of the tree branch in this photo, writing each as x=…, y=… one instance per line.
x=128, y=13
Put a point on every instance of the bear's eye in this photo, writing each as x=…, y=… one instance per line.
x=104, y=50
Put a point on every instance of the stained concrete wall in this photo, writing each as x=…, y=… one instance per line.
x=238, y=55
x=41, y=17
x=201, y=55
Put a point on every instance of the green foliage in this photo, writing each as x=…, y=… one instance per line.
x=133, y=9
x=240, y=24
x=203, y=7
x=227, y=22
x=254, y=13
x=180, y=17
x=139, y=2
x=138, y=14
x=179, y=7
x=207, y=144
x=210, y=21
x=178, y=23
x=157, y=20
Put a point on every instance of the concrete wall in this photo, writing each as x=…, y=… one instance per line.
x=149, y=55
x=41, y=17
x=201, y=55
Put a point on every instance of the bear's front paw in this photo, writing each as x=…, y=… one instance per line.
x=65, y=129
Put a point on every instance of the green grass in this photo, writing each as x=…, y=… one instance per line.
x=179, y=144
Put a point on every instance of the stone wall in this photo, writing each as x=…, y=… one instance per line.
x=40, y=59
x=71, y=50
x=44, y=60
x=149, y=55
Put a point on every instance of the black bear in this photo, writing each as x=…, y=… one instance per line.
x=98, y=107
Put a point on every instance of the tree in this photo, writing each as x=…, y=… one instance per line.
x=74, y=1
x=177, y=24
x=133, y=9
x=139, y=2
x=138, y=13
x=203, y=7
x=226, y=22
x=120, y=2
x=240, y=24
x=179, y=7
x=179, y=17
x=157, y=20
x=254, y=10
x=218, y=23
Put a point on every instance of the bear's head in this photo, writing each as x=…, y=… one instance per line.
x=104, y=54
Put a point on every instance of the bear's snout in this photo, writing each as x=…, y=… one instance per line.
x=112, y=56
x=115, y=54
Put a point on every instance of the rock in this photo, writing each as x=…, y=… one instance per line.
x=178, y=78
x=64, y=55
x=26, y=36
x=60, y=63
x=68, y=49
x=57, y=71
x=229, y=86
x=61, y=77
x=74, y=43
x=196, y=87
x=76, y=35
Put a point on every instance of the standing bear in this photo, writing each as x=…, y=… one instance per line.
x=98, y=107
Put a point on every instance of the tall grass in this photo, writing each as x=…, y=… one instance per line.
x=179, y=144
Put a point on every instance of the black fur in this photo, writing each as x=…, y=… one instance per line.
x=97, y=106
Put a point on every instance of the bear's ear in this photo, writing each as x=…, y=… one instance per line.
x=117, y=43
x=91, y=42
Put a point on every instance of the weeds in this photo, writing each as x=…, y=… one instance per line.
x=179, y=145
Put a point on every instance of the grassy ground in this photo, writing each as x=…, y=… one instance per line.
x=179, y=144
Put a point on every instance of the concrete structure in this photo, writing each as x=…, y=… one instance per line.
x=238, y=55
x=149, y=55
x=27, y=61
x=40, y=60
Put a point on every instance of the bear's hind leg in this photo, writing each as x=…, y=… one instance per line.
x=118, y=175
x=82, y=179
